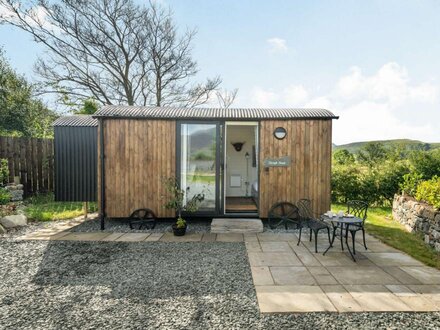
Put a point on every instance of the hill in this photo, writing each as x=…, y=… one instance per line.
x=407, y=143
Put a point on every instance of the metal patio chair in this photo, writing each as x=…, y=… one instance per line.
x=359, y=209
x=307, y=219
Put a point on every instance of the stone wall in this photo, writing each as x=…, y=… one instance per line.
x=16, y=191
x=418, y=217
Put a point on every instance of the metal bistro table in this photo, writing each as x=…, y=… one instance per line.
x=342, y=223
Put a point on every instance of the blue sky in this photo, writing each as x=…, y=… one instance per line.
x=374, y=63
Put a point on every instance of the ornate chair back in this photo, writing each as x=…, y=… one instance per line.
x=358, y=209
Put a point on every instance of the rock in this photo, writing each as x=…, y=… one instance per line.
x=11, y=221
x=437, y=246
x=2, y=230
x=427, y=239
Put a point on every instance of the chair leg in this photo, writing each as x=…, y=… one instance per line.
x=363, y=237
x=353, y=234
x=299, y=239
x=310, y=236
x=342, y=238
x=328, y=234
x=316, y=241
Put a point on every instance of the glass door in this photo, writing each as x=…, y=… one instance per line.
x=199, y=163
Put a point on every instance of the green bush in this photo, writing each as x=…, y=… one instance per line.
x=429, y=191
x=5, y=196
x=410, y=183
x=4, y=171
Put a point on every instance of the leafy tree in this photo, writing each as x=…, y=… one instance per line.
x=89, y=107
x=116, y=51
x=343, y=157
x=21, y=114
x=426, y=163
x=372, y=153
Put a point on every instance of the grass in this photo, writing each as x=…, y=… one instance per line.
x=44, y=208
x=381, y=225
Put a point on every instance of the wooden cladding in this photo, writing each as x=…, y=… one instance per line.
x=309, y=144
x=30, y=159
x=139, y=154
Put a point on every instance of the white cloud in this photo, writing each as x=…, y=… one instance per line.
x=383, y=105
x=296, y=95
x=277, y=45
x=36, y=16
x=263, y=98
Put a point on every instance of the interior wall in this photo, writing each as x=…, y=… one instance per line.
x=236, y=160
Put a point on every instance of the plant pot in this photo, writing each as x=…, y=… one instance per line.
x=179, y=231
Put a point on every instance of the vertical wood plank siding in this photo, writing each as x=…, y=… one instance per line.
x=138, y=155
x=31, y=159
x=309, y=144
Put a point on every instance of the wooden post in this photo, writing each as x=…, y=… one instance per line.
x=85, y=209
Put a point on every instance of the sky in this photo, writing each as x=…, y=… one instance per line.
x=376, y=64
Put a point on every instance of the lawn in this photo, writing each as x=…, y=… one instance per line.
x=44, y=208
x=380, y=224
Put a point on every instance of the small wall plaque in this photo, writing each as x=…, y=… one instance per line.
x=278, y=162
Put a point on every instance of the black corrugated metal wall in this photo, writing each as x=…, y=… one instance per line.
x=76, y=155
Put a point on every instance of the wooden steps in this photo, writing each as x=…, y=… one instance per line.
x=233, y=225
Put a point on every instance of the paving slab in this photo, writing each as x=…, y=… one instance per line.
x=112, y=237
x=392, y=259
x=429, y=292
x=341, y=299
x=334, y=259
x=191, y=237
x=325, y=280
x=250, y=237
x=400, y=275
x=277, y=237
x=275, y=247
x=209, y=237
x=154, y=237
x=426, y=275
x=361, y=275
x=376, y=298
x=293, y=299
x=273, y=259
x=292, y=276
x=94, y=236
x=132, y=237
x=230, y=237
x=253, y=246
x=318, y=270
x=306, y=257
x=262, y=276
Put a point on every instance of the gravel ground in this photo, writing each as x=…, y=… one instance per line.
x=107, y=285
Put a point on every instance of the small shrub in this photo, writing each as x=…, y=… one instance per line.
x=5, y=196
x=4, y=171
x=429, y=191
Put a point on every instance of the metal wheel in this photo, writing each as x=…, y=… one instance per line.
x=144, y=218
x=283, y=213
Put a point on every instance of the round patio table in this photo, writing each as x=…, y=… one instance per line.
x=343, y=223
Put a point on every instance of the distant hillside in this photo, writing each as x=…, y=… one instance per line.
x=408, y=144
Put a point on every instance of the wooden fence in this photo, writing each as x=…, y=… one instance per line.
x=31, y=160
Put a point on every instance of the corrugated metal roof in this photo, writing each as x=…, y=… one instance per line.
x=78, y=120
x=211, y=113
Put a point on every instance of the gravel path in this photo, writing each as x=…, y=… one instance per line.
x=107, y=285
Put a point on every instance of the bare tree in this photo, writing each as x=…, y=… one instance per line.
x=225, y=98
x=112, y=50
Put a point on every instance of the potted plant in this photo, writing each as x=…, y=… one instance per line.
x=176, y=201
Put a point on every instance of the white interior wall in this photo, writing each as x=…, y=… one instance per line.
x=236, y=160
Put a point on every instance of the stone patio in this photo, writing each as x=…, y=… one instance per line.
x=291, y=278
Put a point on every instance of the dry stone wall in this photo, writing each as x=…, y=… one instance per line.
x=418, y=217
